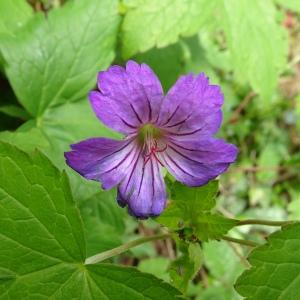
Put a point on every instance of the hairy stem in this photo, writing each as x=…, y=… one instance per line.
x=239, y=241
x=264, y=222
x=123, y=248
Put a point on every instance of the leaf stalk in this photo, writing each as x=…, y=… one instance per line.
x=264, y=222
x=123, y=248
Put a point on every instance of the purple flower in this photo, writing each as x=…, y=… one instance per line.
x=175, y=132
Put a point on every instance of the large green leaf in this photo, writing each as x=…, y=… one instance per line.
x=224, y=266
x=42, y=247
x=26, y=140
x=222, y=262
x=13, y=15
x=257, y=44
x=39, y=223
x=159, y=23
x=68, y=124
x=103, y=222
x=157, y=266
x=55, y=131
x=55, y=59
x=275, y=271
x=168, y=71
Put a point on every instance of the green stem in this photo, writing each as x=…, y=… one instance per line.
x=264, y=222
x=123, y=248
x=239, y=241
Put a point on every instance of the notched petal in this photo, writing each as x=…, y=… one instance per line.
x=192, y=106
x=143, y=189
x=133, y=94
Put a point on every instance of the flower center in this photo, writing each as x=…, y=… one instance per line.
x=151, y=139
x=147, y=132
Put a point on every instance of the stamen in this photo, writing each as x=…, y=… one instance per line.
x=152, y=142
x=158, y=160
x=152, y=151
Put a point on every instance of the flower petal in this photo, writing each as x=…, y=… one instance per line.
x=194, y=163
x=127, y=97
x=192, y=107
x=102, y=159
x=109, y=116
x=143, y=188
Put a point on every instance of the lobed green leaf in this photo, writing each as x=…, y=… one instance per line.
x=54, y=60
x=160, y=23
x=257, y=44
x=275, y=268
x=185, y=267
x=13, y=15
x=189, y=210
x=42, y=246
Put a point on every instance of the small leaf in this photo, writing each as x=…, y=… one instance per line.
x=212, y=226
x=275, y=271
x=15, y=111
x=185, y=267
x=189, y=213
x=199, y=198
x=159, y=23
x=187, y=203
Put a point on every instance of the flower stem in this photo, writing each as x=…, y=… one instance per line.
x=239, y=241
x=123, y=248
x=264, y=222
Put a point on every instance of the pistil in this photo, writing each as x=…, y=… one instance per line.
x=150, y=137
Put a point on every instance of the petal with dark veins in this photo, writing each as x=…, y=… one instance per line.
x=102, y=159
x=192, y=106
x=127, y=97
x=194, y=163
x=143, y=189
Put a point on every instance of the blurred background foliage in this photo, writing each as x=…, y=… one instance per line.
x=51, y=51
